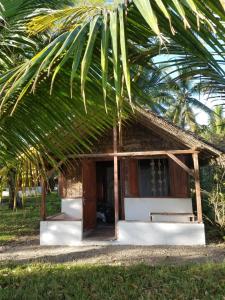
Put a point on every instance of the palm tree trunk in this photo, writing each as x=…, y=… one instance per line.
x=12, y=187
x=14, y=199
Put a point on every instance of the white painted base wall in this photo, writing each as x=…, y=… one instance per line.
x=138, y=209
x=64, y=232
x=135, y=230
x=72, y=207
x=60, y=233
x=147, y=233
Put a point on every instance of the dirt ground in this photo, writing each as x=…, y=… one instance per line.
x=27, y=249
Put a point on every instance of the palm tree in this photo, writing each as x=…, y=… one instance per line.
x=215, y=131
x=183, y=102
x=177, y=99
x=131, y=25
x=15, y=44
x=16, y=47
x=217, y=122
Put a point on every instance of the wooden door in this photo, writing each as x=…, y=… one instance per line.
x=133, y=177
x=179, y=181
x=89, y=194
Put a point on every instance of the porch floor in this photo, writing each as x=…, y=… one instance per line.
x=101, y=233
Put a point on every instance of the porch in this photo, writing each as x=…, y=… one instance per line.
x=167, y=228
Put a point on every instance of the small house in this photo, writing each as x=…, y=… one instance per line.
x=134, y=188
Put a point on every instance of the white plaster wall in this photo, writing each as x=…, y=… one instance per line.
x=146, y=233
x=72, y=207
x=59, y=233
x=5, y=193
x=33, y=191
x=138, y=209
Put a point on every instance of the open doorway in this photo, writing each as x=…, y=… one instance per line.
x=101, y=207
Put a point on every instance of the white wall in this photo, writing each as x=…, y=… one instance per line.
x=146, y=233
x=73, y=207
x=59, y=233
x=138, y=209
x=33, y=191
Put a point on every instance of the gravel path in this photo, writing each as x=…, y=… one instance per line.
x=27, y=249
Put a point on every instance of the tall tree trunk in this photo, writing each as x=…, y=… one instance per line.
x=14, y=200
x=12, y=187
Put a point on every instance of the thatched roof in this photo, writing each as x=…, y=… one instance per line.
x=177, y=134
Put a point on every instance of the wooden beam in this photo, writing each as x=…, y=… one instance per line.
x=116, y=183
x=122, y=176
x=181, y=164
x=197, y=187
x=43, y=199
x=133, y=154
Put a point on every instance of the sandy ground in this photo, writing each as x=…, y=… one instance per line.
x=27, y=249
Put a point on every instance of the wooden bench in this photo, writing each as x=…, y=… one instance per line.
x=189, y=215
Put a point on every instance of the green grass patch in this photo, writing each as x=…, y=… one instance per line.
x=26, y=221
x=64, y=281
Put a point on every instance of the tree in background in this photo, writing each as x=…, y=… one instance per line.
x=213, y=176
x=16, y=47
x=177, y=99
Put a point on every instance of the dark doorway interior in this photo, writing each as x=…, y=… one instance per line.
x=105, y=192
x=105, y=214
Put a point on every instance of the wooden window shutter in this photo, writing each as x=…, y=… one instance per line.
x=178, y=179
x=133, y=178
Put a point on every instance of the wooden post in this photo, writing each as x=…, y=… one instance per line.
x=122, y=175
x=116, y=187
x=43, y=198
x=197, y=187
x=122, y=188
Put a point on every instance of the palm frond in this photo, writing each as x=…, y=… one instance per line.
x=154, y=13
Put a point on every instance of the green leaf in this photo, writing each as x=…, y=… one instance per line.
x=222, y=2
x=104, y=56
x=79, y=44
x=74, y=44
x=181, y=12
x=123, y=43
x=116, y=57
x=86, y=61
x=165, y=13
x=145, y=8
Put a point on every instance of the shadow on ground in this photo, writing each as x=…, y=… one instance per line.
x=30, y=251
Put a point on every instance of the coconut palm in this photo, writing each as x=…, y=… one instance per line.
x=215, y=131
x=126, y=28
x=217, y=122
x=16, y=46
x=176, y=98
x=183, y=102
x=15, y=43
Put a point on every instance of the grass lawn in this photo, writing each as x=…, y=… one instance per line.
x=14, y=224
x=64, y=281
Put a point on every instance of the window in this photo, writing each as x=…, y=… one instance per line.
x=153, y=177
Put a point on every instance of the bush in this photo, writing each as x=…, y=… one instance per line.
x=213, y=185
